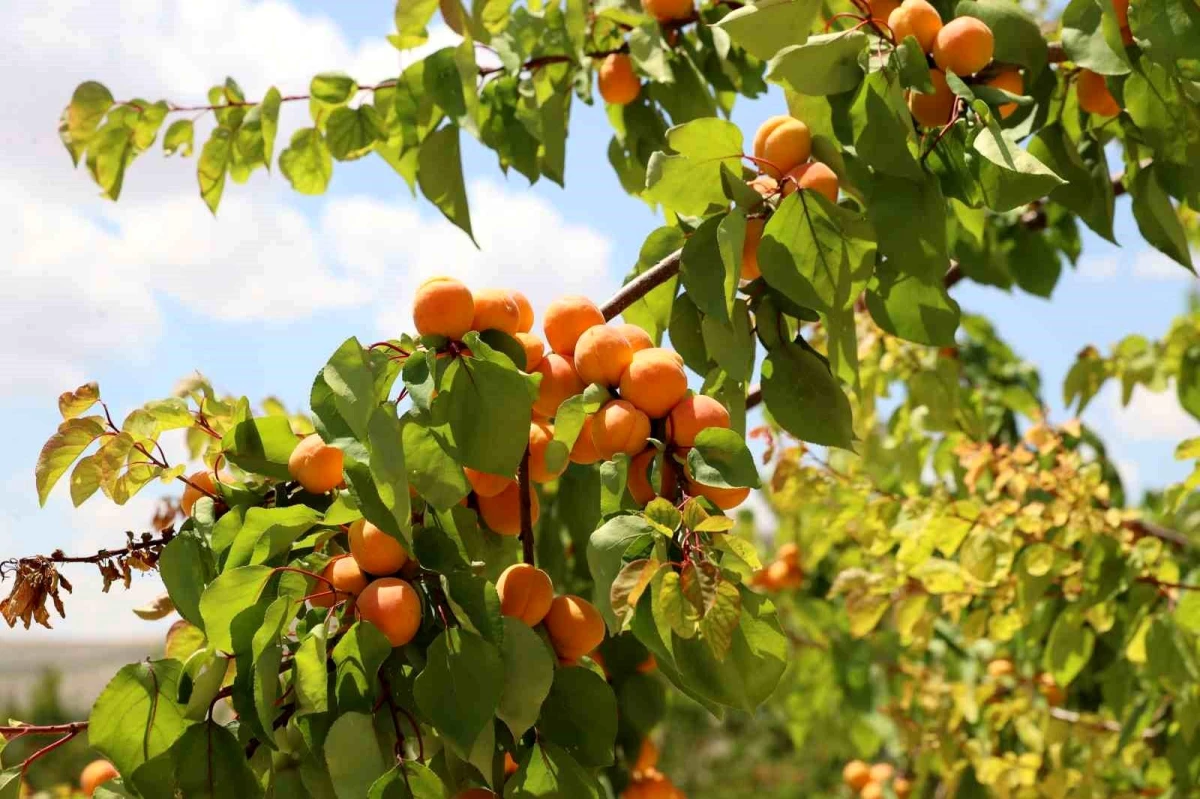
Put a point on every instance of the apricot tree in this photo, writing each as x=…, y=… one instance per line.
x=472, y=570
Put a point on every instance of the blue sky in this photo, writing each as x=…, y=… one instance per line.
x=138, y=294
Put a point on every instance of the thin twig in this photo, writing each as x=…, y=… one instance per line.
x=526, y=502
x=641, y=285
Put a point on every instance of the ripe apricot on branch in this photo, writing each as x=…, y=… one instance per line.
x=1056, y=695
x=647, y=757
x=668, y=10
x=584, y=452
x=1001, y=667
x=95, y=774
x=916, y=18
x=443, y=306
x=619, y=427
x=540, y=436
x=201, y=480
x=933, y=110
x=376, y=551
x=601, y=355
x=316, y=465
x=526, y=312
x=502, y=513
x=618, y=83
x=1094, y=96
x=964, y=46
x=535, y=350
x=394, y=607
x=1009, y=80
x=693, y=414
x=525, y=593
x=347, y=578
x=574, y=626
x=902, y=788
x=559, y=382
x=651, y=784
x=882, y=10
x=654, y=382
x=486, y=484
x=856, y=774
x=566, y=320
x=638, y=483
x=495, y=309
x=814, y=176
x=1121, y=8
x=754, y=231
x=882, y=772
x=781, y=143
x=638, y=339
x=872, y=790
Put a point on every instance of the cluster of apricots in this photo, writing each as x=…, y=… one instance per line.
x=572, y=624
x=646, y=781
x=869, y=780
x=95, y=774
x=781, y=574
x=616, y=78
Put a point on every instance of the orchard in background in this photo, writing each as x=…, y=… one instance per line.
x=496, y=563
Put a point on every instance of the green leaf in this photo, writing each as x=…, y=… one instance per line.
x=1187, y=387
x=721, y=619
x=652, y=312
x=411, y=19
x=213, y=166
x=268, y=533
x=460, y=687
x=825, y=64
x=74, y=403
x=209, y=763
x=1069, y=648
x=408, y=780
x=1084, y=41
x=731, y=345
x=307, y=163
x=1157, y=218
x=261, y=445
x=231, y=593
x=357, y=659
x=439, y=173
x=687, y=179
x=672, y=608
x=883, y=133
x=269, y=120
x=488, y=408
x=136, y=717
x=377, y=476
x=528, y=674
x=913, y=308
x=475, y=600
x=1170, y=30
x=89, y=103
x=548, y=772
x=309, y=675
x=650, y=52
x=1019, y=38
x=186, y=566
x=108, y=154
x=721, y=458
x=1008, y=176
x=353, y=132
x=352, y=756
x=767, y=27
x=61, y=450
x=708, y=269
x=1088, y=189
x=432, y=470
x=605, y=553
x=204, y=673
x=343, y=395
x=580, y=715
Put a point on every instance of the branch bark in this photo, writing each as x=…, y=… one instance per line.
x=641, y=285
x=523, y=485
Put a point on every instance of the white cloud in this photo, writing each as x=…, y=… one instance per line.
x=1150, y=416
x=1098, y=268
x=1131, y=478
x=1153, y=265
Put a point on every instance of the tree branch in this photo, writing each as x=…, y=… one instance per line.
x=524, y=487
x=641, y=285
x=17, y=730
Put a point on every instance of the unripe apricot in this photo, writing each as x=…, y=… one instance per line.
x=693, y=414
x=932, y=110
x=1009, y=80
x=619, y=427
x=639, y=485
x=964, y=46
x=495, y=309
x=95, y=774
x=601, y=355
x=535, y=350
x=916, y=18
x=486, y=484
x=618, y=83
x=1094, y=96
x=566, y=320
x=902, y=787
x=376, y=551
x=872, y=790
x=654, y=382
x=754, y=232
x=882, y=772
x=526, y=312
x=584, y=452
x=316, y=465
x=200, y=480
x=347, y=578
x=540, y=436
x=814, y=176
x=394, y=607
x=856, y=774
x=575, y=627
x=1001, y=667
x=647, y=757
x=560, y=381
x=723, y=498
x=668, y=10
x=525, y=593
x=638, y=339
x=781, y=143
x=502, y=513
x=443, y=306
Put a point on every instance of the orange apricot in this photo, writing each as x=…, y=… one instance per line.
x=200, y=480
x=584, y=452
x=668, y=10
x=526, y=312
x=510, y=765
x=502, y=513
x=781, y=143
x=344, y=573
x=316, y=465
x=651, y=784
x=754, y=232
x=566, y=319
x=486, y=484
x=647, y=757
x=560, y=381
x=654, y=382
x=638, y=338
x=882, y=772
x=815, y=176
x=902, y=787
x=495, y=309
x=916, y=18
x=535, y=350
x=964, y=46
x=540, y=436
x=882, y=10
x=1001, y=667
x=723, y=498
x=443, y=306
x=856, y=774
x=617, y=80
x=693, y=414
x=95, y=774
x=574, y=625
x=1121, y=7
x=1056, y=695
x=638, y=483
x=376, y=551
x=1094, y=96
x=789, y=553
x=525, y=593
x=872, y=790
x=601, y=355
x=1009, y=80
x=393, y=606
x=933, y=110
x=648, y=665
x=619, y=427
